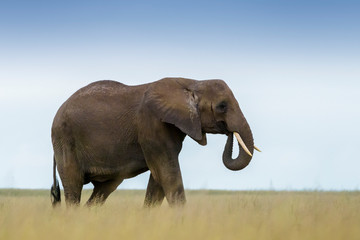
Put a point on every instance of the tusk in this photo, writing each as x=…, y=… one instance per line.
x=242, y=143
x=257, y=149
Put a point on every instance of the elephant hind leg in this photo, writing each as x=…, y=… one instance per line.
x=71, y=176
x=102, y=190
x=72, y=194
x=73, y=183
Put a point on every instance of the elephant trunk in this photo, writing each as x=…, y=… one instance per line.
x=244, y=158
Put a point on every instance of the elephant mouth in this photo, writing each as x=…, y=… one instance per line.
x=221, y=127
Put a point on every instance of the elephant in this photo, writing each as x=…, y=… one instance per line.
x=108, y=131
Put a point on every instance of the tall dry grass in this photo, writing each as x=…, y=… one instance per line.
x=207, y=215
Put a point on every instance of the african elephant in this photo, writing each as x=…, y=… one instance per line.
x=107, y=132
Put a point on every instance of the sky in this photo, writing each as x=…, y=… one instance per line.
x=293, y=66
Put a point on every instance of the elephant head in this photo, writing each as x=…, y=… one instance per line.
x=200, y=107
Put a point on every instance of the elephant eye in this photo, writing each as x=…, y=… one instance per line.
x=222, y=107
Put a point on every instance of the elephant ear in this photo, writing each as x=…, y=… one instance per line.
x=172, y=101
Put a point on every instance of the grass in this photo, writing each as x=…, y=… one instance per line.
x=27, y=214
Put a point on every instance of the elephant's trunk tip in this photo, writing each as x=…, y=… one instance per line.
x=245, y=154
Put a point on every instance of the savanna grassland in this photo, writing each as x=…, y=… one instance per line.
x=27, y=214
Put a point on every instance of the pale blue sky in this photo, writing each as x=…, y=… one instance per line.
x=293, y=66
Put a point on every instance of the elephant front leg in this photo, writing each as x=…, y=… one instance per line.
x=154, y=193
x=174, y=189
x=165, y=175
x=169, y=177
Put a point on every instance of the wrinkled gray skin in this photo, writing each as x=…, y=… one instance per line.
x=107, y=132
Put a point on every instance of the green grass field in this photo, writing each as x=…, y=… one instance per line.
x=27, y=214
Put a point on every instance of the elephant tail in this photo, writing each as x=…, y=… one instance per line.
x=55, y=188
